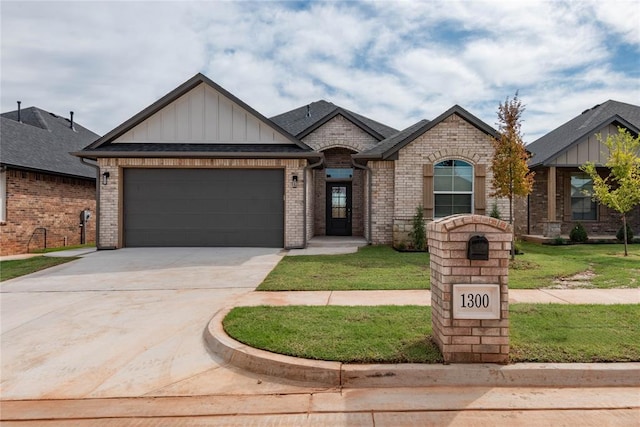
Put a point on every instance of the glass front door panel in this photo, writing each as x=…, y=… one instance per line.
x=339, y=202
x=338, y=209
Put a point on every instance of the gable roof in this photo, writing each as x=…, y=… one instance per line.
x=103, y=147
x=393, y=144
x=304, y=120
x=559, y=140
x=42, y=141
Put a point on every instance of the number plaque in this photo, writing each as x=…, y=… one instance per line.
x=477, y=301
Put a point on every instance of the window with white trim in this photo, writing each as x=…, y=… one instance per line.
x=453, y=188
x=583, y=208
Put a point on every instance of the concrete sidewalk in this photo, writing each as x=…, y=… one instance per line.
x=78, y=252
x=433, y=406
x=423, y=297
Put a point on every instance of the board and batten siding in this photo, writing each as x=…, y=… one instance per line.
x=588, y=149
x=203, y=115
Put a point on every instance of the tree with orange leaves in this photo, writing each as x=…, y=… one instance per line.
x=511, y=175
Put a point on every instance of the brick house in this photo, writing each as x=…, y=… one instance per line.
x=558, y=201
x=199, y=167
x=43, y=189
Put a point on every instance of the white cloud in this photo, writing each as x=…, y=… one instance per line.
x=396, y=62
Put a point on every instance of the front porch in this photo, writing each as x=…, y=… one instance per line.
x=330, y=245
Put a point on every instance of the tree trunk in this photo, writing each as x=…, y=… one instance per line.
x=513, y=229
x=624, y=226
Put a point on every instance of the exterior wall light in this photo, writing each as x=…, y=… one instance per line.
x=105, y=177
x=294, y=181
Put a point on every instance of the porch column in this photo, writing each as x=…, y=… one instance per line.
x=551, y=225
x=551, y=194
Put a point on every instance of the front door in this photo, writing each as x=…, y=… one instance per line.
x=339, y=209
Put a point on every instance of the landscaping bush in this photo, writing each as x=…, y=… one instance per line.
x=620, y=234
x=418, y=233
x=578, y=234
x=495, y=213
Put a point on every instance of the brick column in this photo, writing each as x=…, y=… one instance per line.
x=464, y=334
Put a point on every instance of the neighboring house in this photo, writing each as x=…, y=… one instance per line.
x=559, y=199
x=199, y=167
x=43, y=188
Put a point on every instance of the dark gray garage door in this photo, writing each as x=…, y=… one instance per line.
x=203, y=207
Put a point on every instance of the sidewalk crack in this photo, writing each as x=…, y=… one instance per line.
x=555, y=296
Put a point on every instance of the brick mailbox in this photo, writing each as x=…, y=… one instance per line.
x=469, y=291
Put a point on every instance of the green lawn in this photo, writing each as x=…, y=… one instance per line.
x=400, y=334
x=19, y=267
x=575, y=333
x=385, y=334
x=542, y=264
x=372, y=267
x=381, y=267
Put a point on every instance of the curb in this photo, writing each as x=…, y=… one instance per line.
x=337, y=374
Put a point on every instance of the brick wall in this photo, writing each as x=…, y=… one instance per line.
x=453, y=138
x=382, y=201
x=608, y=223
x=38, y=200
x=111, y=194
x=468, y=340
x=339, y=132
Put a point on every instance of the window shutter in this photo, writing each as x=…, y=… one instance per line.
x=479, y=191
x=427, y=190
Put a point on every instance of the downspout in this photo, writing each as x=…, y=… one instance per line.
x=304, y=199
x=97, y=168
x=370, y=194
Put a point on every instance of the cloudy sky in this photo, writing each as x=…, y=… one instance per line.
x=394, y=61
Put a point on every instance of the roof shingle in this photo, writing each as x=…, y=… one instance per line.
x=42, y=141
x=549, y=146
x=304, y=120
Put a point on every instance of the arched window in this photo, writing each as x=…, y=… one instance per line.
x=453, y=188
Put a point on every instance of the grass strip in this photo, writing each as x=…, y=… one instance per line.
x=575, y=333
x=551, y=333
x=19, y=267
x=372, y=267
x=381, y=334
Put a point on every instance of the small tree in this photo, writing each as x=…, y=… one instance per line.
x=620, y=190
x=418, y=232
x=511, y=176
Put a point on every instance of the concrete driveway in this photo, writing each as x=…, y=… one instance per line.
x=126, y=323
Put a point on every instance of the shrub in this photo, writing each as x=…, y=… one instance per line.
x=495, y=213
x=418, y=233
x=578, y=234
x=620, y=234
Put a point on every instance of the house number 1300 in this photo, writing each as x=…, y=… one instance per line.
x=475, y=300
